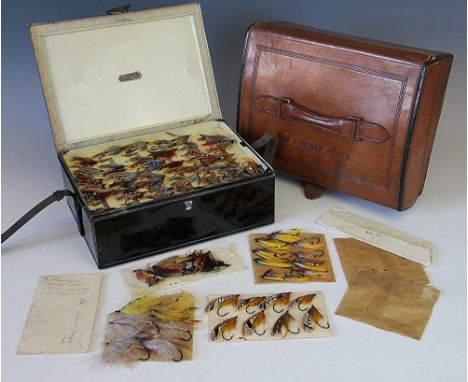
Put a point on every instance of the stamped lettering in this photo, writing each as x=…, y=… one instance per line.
x=313, y=147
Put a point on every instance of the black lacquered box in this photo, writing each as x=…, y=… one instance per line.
x=139, y=134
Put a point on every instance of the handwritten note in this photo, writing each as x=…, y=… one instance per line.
x=62, y=315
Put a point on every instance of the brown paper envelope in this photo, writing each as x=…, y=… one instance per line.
x=355, y=255
x=378, y=299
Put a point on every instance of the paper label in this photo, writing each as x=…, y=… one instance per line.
x=62, y=315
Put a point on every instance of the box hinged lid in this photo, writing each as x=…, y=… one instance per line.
x=117, y=76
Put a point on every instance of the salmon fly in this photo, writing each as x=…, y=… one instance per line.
x=315, y=254
x=152, y=184
x=175, y=307
x=126, y=176
x=191, y=148
x=286, y=277
x=124, y=183
x=89, y=171
x=147, y=276
x=185, y=169
x=171, y=165
x=313, y=261
x=95, y=195
x=303, y=300
x=130, y=149
x=113, y=168
x=184, y=183
x=230, y=173
x=195, y=262
x=131, y=196
x=184, y=180
x=268, y=255
x=308, y=245
x=140, y=161
x=283, y=323
x=208, y=159
x=84, y=161
x=124, y=350
x=273, y=246
x=113, y=150
x=153, y=165
x=216, y=141
x=166, y=350
x=222, y=302
x=173, y=330
x=252, y=168
x=276, y=299
x=297, y=278
x=253, y=323
x=203, y=261
x=313, y=275
x=128, y=321
x=222, y=328
x=89, y=181
x=163, y=153
x=274, y=263
x=251, y=302
x=290, y=237
x=313, y=318
x=310, y=266
x=147, y=326
x=160, y=192
x=210, y=180
x=270, y=275
x=168, y=143
x=127, y=326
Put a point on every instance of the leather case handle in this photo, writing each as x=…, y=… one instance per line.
x=353, y=128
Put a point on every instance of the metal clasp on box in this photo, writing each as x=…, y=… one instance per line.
x=188, y=205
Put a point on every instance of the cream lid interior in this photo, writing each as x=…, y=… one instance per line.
x=113, y=77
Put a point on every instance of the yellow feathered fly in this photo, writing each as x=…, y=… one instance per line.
x=176, y=307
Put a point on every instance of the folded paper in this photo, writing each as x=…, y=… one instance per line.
x=379, y=299
x=379, y=235
x=356, y=255
x=62, y=315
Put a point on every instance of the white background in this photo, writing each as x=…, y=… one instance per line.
x=50, y=243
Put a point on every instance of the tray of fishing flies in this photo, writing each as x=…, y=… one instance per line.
x=140, y=137
x=180, y=270
x=237, y=317
x=151, y=327
x=292, y=256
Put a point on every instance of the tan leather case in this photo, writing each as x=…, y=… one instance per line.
x=350, y=114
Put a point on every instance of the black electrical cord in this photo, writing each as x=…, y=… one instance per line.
x=55, y=197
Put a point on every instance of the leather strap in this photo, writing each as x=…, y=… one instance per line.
x=268, y=143
x=55, y=197
x=353, y=128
